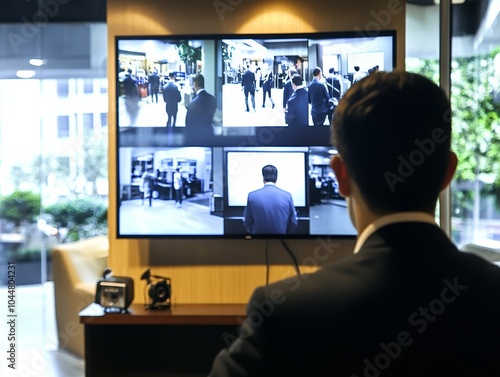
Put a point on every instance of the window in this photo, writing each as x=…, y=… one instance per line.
x=88, y=86
x=475, y=79
x=64, y=152
x=88, y=123
x=62, y=126
x=62, y=88
x=104, y=119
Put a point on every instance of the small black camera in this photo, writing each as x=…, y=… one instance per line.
x=159, y=290
x=114, y=293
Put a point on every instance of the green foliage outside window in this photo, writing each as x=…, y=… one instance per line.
x=82, y=218
x=20, y=207
x=475, y=84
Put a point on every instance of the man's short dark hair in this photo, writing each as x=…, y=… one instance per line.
x=199, y=80
x=297, y=79
x=356, y=68
x=393, y=132
x=316, y=71
x=331, y=70
x=171, y=75
x=270, y=173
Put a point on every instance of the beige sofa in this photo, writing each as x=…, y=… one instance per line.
x=76, y=268
x=488, y=249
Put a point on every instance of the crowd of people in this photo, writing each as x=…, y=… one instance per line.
x=200, y=107
x=303, y=101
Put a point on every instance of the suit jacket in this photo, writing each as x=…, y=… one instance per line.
x=318, y=97
x=270, y=210
x=200, y=112
x=268, y=81
x=287, y=92
x=408, y=304
x=171, y=96
x=130, y=86
x=297, y=114
x=333, y=86
x=248, y=80
x=154, y=81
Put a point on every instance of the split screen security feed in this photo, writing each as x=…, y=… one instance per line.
x=199, y=117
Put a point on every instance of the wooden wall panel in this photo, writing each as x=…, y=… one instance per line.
x=199, y=281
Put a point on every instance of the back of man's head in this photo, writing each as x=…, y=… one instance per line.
x=393, y=132
x=199, y=80
x=270, y=173
x=316, y=71
x=297, y=80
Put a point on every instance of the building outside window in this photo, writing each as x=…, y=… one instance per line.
x=53, y=133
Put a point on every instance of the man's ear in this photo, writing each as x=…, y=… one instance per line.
x=342, y=175
x=452, y=166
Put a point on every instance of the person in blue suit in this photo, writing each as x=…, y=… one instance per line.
x=201, y=109
x=318, y=98
x=172, y=97
x=248, y=86
x=270, y=210
x=297, y=111
x=406, y=302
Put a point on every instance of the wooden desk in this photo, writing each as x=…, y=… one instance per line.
x=180, y=341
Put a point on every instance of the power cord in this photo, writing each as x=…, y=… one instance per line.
x=294, y=259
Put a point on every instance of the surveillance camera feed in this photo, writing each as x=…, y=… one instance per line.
x=229, y=135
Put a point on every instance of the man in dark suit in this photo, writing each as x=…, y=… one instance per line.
x=201, y=109
x=270, y=210
x=334, y=86
x=172, y=97
x=132, y=97
x=296, y=112
x=407, y=302
x=154, y=86
x=287, y=88
x=248, y=84
x=318, y=98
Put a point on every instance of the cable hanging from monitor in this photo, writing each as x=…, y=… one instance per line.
x=295, y=263
x=266, y=253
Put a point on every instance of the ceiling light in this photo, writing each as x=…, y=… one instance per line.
x=25, y=73
x=37, y=62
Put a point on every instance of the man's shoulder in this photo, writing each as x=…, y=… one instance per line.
x=276, y=190
x=256, y=192
x=206, y=97
x=265, y=190
x=301, y=91
x=316, y=84
x=170, y=85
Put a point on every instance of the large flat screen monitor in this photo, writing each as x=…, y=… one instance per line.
x=190, y=150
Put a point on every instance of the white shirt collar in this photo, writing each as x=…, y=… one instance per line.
x=400, y=217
